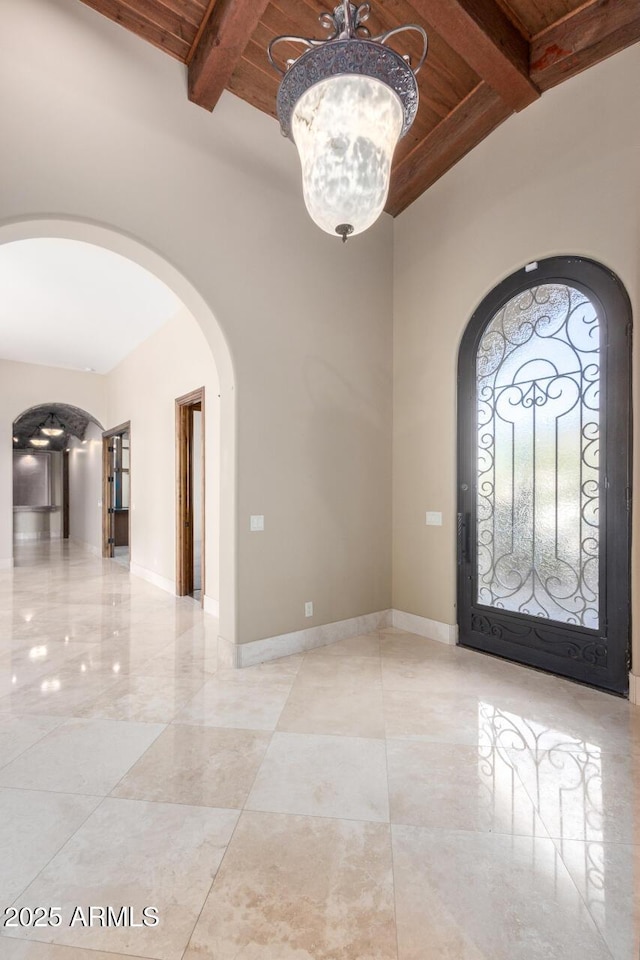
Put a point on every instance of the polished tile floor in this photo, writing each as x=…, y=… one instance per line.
x=383, y=798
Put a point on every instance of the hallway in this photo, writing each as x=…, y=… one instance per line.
x=383, y=797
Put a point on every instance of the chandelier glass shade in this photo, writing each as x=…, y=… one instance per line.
x=52, y=427
x=345, y=102
x=39, y=441
x=346, y=130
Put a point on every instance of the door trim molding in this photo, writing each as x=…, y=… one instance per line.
x=183, y=560
x=106, y=493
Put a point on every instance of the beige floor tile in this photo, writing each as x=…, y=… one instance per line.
x=322, y=776
x=117, y=657
x=346, y=672
x=30, y=950
x=608, y=878
x=61, y=694
x=423, y=676
x=431, y=716
x=330, y=710
x=473, y=742
x=17, y=734
x=202, y=766
x=135, y=854
x=474, y=896
x=175, y=661
x=23, y=666
x=300, y=888
x=81, y=756
x=284, y=669
x=364, y=645
x=142, y=698
x=409, y=646
x=457, y=787
x=231, y=704
x=33, y=826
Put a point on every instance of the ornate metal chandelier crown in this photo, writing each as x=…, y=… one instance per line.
x=350, y=48
x=345, y=102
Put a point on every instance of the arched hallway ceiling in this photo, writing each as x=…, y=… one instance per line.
x=72, y=418
x=487, y=59
x=65, y=303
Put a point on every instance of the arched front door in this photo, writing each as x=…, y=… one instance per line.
x=544, y=484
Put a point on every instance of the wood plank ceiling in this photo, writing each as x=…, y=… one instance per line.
x=487, y=59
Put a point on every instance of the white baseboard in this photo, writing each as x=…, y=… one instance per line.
x=212, y=607
x=89, y=547
x=433, y=629
x=634, y=689
x=272, y=648
x=154, y=578
x=6, y=563
x=39, y=535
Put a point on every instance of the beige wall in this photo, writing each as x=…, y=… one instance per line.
x=143, y=389
x=562, y=177
x=24, y=385
x=85, y=490
x=96, y=126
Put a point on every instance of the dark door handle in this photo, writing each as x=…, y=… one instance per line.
x=463, y=538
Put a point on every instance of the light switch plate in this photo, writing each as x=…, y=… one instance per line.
x=433, y=518
x=257, y=523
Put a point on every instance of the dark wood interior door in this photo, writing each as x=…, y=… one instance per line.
x=544, y=473
x=190, y=488
x=65, y=495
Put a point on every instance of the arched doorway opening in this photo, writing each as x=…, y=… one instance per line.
x=54, y=445
x=199, y=309
x=544, y=472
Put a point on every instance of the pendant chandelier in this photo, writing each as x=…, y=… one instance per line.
x=345, y=102
x=53, y=426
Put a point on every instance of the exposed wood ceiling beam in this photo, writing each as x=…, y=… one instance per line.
x=471, y=121
x=220, y=48
x=482, y=34
x=595, y=31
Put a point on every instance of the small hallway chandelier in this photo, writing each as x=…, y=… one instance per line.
x=53, y=426
x=345, y=102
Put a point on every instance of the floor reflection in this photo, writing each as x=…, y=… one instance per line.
x=587, y=799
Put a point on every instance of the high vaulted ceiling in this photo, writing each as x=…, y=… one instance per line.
x=487, y=59
x=64, y=303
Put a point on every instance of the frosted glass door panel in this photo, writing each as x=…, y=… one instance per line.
x=538, y=465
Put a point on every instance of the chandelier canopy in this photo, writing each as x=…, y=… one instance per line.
x=345, y=102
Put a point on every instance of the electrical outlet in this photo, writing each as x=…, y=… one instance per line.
x=433, y=518
x=308, y=608
x=256, y=524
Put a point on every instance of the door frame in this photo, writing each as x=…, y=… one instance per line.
x=483, y=627
x=107, y=489
x=184, y=528
x=65, y=495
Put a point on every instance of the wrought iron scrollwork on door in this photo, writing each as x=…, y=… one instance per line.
x=538, y=457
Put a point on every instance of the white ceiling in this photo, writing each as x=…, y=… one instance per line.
x=70, y=304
